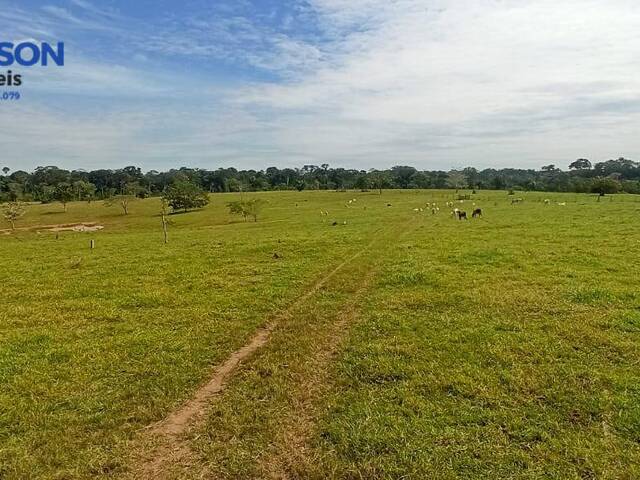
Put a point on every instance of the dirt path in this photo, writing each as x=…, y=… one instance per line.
x=292, y=454
x=164, y=440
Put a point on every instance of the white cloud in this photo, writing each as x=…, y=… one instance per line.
x=435, y=84
x=81, y=77
x=464, y=78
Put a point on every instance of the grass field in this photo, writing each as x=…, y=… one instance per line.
x=401, y=344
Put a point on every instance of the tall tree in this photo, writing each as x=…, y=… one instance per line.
x=64, y=193
x=580, y=164
x=402, y=175
x=84, y=190
x=380, y=180
x=456, y=180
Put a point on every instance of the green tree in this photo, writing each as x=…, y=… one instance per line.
x=472, y=176
x=580, y=164
x=605, y=185
x=402, y=175
x=380, y=180
x=130, y=192
x=456, y=180
x=233, y=185
x=498, y=183
x=64, y=193
x=15, y=191
x=363, y=182
x=631, y=186
x=185, y=195
x=84, y=190
x=246, y=208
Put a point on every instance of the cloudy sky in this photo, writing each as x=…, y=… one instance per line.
x=355, y=83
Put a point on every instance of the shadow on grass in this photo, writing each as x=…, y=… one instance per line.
x=182, y=212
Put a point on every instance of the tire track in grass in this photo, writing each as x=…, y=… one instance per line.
x=165, y=439
x=177, y=421
x=292, y=454
x=287, y=412
x=293, y=457
x=324, y=339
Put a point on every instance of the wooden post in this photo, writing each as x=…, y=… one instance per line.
x=93, y=244
x=164, y=229
x=163, y=214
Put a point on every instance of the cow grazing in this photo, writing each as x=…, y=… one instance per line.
x=477, y=213
x=462, y=215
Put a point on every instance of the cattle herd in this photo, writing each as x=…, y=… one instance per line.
x=462, y=215
x=455, y=212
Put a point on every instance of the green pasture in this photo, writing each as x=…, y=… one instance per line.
x=501, y=347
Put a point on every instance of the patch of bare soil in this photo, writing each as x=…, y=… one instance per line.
x=62, y=227
x=78, y=227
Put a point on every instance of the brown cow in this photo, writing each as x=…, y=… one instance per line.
x=462, y=215
x=477, y=213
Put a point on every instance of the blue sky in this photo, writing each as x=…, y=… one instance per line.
x=355, y=83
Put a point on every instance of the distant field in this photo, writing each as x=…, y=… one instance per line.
x=401, y=344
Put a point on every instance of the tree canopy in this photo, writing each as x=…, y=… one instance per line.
x=246, y=208
x=50, y=183
x=184, y=194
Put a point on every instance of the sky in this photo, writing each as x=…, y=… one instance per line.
x=437, y=84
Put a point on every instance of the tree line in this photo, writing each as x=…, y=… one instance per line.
x=50, y=183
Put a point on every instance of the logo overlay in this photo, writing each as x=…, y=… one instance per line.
x=25, y=54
